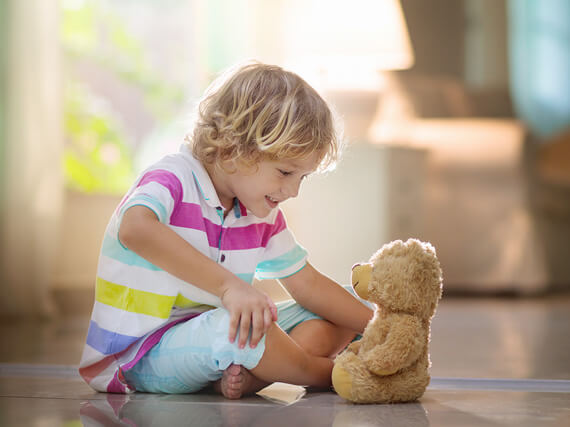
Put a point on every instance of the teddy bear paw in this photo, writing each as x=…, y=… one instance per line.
x=342, y=382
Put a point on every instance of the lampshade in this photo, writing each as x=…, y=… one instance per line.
x=345, y=43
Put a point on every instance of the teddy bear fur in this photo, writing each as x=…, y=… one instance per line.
x=390, y=362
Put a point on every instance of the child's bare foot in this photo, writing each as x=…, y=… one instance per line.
x=236, y=382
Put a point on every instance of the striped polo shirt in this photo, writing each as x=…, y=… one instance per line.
x=136, y=301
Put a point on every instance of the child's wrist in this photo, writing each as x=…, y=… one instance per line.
x=228, y=284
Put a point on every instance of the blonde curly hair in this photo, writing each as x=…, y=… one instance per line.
x=257, y=112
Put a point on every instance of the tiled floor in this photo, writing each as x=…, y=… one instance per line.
x=496, y=362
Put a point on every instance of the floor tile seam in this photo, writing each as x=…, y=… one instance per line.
x=241, y=403
x=32, y=369
x=437, y=383
x=500, y=384
x=28, y=396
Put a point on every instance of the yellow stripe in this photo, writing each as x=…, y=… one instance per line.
x=183, y=302
x=133, y=300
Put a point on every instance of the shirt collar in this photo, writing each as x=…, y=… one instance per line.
x=205, y=184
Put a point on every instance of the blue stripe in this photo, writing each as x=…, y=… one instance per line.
x=107, y=342
x=237, y=210
x=113, y=249
x=149, y=202
x=282, y=262
x=199, y=186
x=246, y=277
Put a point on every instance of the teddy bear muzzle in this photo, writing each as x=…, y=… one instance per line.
x=360, y=279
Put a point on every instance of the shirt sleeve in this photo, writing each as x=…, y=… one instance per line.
x=159, y=190
x=282, y=256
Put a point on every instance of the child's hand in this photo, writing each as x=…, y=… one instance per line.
x=248, y=307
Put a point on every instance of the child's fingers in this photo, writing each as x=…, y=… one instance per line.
x=268, y=318
x=234, y=322
x=244, y=325
x=273, y=310
x=257, y=328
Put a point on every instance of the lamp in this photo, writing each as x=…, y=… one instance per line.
x=342, y=47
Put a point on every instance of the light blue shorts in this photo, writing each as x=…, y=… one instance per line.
x=194, y=353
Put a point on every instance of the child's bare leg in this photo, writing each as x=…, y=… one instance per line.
x=321, y=338
x=315, y=337
x=284, y=360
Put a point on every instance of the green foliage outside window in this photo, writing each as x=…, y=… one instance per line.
x=96, y=157
x=98, y=154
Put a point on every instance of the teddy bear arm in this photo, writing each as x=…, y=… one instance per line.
x=403, y=345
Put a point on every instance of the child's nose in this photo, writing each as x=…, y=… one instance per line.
x=292, y=188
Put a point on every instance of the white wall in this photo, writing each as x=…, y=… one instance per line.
x=374, y=196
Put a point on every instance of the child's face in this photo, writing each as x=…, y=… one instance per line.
x=269, y=183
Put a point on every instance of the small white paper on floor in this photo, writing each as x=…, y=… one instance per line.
x=283, y=393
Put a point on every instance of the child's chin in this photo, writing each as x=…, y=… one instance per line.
x=262, y=211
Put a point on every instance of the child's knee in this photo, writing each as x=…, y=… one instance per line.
x=320, y=337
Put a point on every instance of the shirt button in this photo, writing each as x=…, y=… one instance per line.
x=223, y=258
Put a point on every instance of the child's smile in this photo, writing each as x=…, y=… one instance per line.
x=272, y=202
x=262, y=187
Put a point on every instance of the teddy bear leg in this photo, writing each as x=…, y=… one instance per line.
x=411, y=384
x=354, y=382
x=366, y=387
x=406, y=386
x=346, y=367
x=342, y=382
x=349, y=373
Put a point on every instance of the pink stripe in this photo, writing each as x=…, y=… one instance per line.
x=115, y=385
x=189, y=215
x=163, y=177
x=213, y=232
x=91, y=371
x=242, y=209
x=166, y=179
x=252, y=236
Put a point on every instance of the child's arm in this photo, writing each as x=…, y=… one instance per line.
x=141, y=232
x=321, y=295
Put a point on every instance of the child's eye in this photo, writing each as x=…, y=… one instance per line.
x=284, y=173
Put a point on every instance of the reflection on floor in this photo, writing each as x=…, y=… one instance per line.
x=496, y=362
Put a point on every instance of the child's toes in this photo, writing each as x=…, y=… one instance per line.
x=233, y=370
x=237, y=381
x=235, y=386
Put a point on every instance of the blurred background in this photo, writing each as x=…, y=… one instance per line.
x=456, y=115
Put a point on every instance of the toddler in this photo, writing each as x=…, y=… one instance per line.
x=175, y=311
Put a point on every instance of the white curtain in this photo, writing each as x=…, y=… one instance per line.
x=31, y=142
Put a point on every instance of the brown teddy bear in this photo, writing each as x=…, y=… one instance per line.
x=390, y=362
